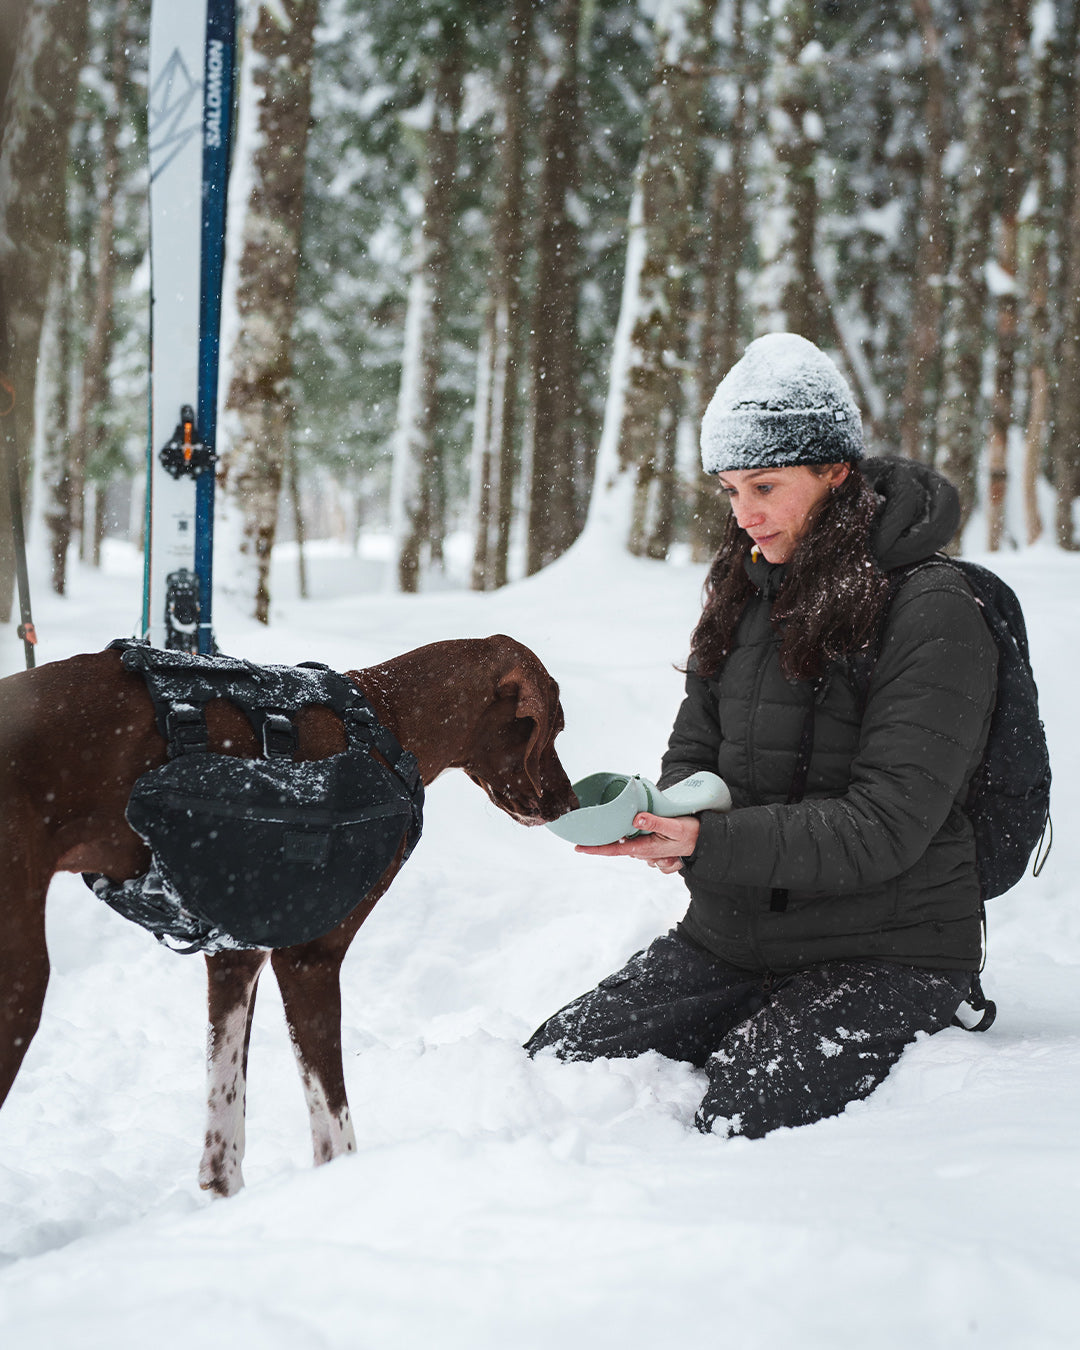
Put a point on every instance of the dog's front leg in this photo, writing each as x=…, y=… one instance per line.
x=24, y=966
x=232, y=978
x=308, y=977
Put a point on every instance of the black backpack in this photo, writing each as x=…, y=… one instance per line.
x=1008, y=803
x=265, y=852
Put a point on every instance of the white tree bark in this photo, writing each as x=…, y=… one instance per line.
x=612, y=502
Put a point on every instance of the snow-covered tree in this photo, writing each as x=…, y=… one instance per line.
x=276, y=75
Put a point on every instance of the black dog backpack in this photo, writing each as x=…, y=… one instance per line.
x=263, y=852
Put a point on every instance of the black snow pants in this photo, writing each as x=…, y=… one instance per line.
x=778, y=1050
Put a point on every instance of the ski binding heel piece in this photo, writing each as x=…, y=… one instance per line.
x=608, y=803
x=185, y=451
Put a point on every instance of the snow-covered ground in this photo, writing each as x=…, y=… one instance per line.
x=501, y=1203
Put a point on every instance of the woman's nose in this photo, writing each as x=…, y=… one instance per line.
x=746, y=515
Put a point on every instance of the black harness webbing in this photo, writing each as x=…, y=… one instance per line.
x=181, y=684
x=304, y=840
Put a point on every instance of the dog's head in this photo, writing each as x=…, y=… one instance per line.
x=511, y=753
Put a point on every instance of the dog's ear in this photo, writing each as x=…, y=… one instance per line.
x=535, y=703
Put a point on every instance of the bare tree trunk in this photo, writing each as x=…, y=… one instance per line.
x=266, y=283
x=423, y=501
x=299, y=527
x=101, y=522
x=12, y=16
x=960, y=409
x=1012, y=104
x=501, y=452
x=1036, y=231
x=789, y=292
x=725, y=245
x=552, y=525
x=56, y=357
x=483, y=490
x=89, y=432
x=510, y=313
x=926, y=299
x=38, y=117
x=655, y=398
x=1065, y=435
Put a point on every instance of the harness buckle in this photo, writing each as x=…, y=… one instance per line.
x=278, y=736
x=185, y=728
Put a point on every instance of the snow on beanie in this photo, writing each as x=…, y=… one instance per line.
x=783, y=403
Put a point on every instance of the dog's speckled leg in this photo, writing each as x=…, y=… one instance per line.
x=332, y=1132
x=232, y=980
x=308, y=979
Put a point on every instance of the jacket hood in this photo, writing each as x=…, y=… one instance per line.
x=919, y=512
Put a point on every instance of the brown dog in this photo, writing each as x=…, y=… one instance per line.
x=75, y=735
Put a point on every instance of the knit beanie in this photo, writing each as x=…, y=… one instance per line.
x=783, y=403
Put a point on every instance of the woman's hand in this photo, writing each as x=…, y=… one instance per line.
x=669, y=841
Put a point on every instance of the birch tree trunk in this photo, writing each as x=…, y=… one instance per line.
x=611, y=504
x=655, y=403
x=555, y=395
x=38, y=117
x=419, y=492
x=931, y=257
x=279, y=65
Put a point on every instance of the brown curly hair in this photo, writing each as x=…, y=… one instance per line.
x=832, y=597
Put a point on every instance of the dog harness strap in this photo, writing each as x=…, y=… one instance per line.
x=185, y=727
x=403, y=762
x=181, y=684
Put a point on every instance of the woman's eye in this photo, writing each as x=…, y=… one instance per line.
x=765, y=488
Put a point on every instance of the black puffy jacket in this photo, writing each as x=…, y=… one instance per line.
x=878, y=858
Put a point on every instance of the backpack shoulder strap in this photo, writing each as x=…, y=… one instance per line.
x=999, y=603
x=861, y=664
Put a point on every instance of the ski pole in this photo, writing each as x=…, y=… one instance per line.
x=7, y=419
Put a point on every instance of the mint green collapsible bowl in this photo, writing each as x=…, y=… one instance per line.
x=608, y=803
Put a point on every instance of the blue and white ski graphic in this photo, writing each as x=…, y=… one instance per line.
x=190, y=115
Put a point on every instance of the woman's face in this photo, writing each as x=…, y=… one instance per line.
x=775, y=506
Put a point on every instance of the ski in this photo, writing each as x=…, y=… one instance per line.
x=192, y=51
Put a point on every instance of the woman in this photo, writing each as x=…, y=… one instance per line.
x=835, y=910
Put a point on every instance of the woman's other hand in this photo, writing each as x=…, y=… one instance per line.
x=667, y=842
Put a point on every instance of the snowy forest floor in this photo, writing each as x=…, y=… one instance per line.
x=500, y=1203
